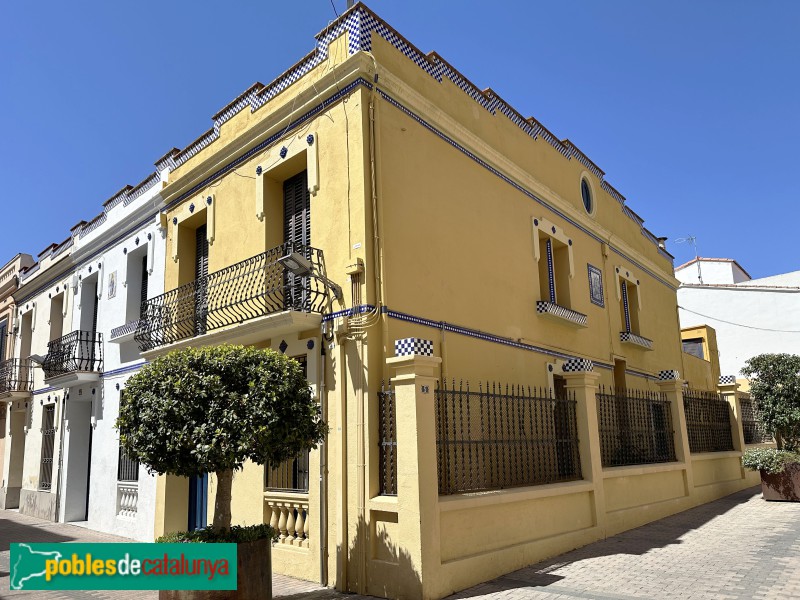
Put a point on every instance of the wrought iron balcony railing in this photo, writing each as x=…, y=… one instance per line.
x=16, y=375
x=124, y=330
x=77, y=351
x=255, y=287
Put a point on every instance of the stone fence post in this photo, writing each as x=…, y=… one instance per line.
x=730, y=391
x=581, y=382
x=416, y=372
x=671, y=385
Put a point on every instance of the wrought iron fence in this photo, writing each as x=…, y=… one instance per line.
x=289, y=476
x=754, y=431
x=16, y=375
x=127, y=468
x=493, y=439
x=252, y=288
x=48, y=447
x=708, y=421
x=76, y=351
x=635, y=427
x=387, y=411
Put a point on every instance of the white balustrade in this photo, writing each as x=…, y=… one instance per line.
x=288, y=514
x=127, y=500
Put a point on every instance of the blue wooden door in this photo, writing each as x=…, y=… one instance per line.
x=198, y=501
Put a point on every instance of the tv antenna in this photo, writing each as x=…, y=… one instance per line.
x=692, y=239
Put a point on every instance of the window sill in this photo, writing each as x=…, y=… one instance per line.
x=561, y=314
x=626, y=337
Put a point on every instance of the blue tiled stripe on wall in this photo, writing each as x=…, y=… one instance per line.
x=271, y=140
x=474, y=333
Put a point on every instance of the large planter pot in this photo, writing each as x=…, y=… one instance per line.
x=253, y=577
x=783, y=486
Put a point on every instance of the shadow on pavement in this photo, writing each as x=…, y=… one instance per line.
x=636, y=542
x=12, y=532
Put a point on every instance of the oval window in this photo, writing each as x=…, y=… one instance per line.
x=586, y=193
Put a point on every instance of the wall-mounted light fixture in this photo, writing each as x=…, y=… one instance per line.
x=299, y=265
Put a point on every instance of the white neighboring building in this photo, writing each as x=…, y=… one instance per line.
x=128, y=253
x=751, y=316
x=78, y=314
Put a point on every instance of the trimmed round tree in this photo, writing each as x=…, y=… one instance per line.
x=208, y=410
x=775, y=387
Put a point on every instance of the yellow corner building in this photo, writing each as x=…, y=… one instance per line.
x=410, y=238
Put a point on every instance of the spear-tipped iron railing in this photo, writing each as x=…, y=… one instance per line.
x=255, y=287
x=497, y=437
x=708, y=421
x=635, y=427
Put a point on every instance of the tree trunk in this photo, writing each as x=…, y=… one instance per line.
x=222, y=502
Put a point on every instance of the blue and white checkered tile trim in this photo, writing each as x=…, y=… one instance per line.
x=575, y=365
x=727, y=379
x=632, y=338
x=514, y=184
x=93, y=224
x=140, y=189
x=359, y=24
x=270, y=140
x=559, y=311
x=668, y=375
x=611, y=191
x=63, y=247
x=244, y=100
x=413, y=346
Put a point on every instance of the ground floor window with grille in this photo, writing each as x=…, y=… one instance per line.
x=501, y=437
x=289, y=476
x=127, y=468
x=48, y=446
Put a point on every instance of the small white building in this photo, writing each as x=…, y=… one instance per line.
x=751, y=316
x=78, y=308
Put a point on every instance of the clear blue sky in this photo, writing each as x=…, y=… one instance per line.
x=692, y=108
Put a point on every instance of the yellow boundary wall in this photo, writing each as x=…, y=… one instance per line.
x=427, y=546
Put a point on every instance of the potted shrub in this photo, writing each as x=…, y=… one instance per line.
x=775, y=388
x=208, y=410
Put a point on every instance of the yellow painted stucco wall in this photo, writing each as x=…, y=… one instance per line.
x=456, y=245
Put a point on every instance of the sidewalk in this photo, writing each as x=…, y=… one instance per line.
x=737, y=547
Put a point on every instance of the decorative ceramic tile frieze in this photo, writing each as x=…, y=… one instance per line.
x=413, y=346
x=668, y=375
x=554, y=310
x=576, y=365
x=637, y=340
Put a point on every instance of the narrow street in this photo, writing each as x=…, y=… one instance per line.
x=734, y=548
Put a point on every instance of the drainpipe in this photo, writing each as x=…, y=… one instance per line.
x=61, y=453
x=323, y=472
x=343, y=516
x=361, y=473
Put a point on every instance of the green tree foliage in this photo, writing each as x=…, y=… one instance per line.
x=202, y=410
x=775, y=387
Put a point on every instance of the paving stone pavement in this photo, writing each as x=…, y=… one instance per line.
x=734, y=548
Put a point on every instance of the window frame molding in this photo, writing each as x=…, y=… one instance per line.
x=279, y=154
x=204, y=202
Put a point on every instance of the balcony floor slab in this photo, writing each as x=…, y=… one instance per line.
x=247, y=333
